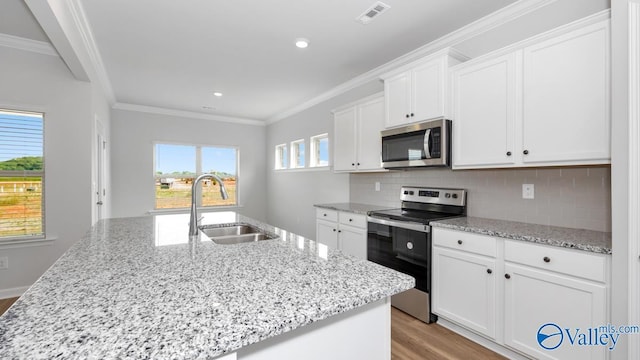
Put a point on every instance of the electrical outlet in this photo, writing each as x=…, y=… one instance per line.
x=377, y=185
x=4, y=262
x=528, y=191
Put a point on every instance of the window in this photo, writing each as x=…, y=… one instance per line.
x=176, y=166
x=21, y=175
x=297, y=154
x=319, y=150
x=282, y=158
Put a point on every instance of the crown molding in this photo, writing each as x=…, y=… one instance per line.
x=20, y=43
x=489, y=22
x=82, y=24
x=185, y=114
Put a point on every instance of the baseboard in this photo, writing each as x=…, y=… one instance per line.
x=509, y=354
x=12, y=292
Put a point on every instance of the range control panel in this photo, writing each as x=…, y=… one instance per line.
x=443, y=196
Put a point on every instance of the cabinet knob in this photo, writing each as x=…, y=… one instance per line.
x=508, y=153
x=324, y=214
x=546, y=259
x=339, y=231
x=334, y=230
x=409, y=245
x=411, y=114
x=350, y=220
x=526, y=152
x=459, y=242
x=358, y=164
x=407, y=115
x=489, y=271
x=353, y=164
x=507, y=276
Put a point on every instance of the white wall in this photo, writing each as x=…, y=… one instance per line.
x=38, y=82
x=132, y=137
x=292, y=193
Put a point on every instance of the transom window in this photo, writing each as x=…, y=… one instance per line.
x=297, y=154
x=319, y=150
x=21, y=175
x=176, y=167
x=282, y=157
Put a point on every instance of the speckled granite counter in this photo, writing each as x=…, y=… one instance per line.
x=356, y=208
x=587, y=240
x=138, y=288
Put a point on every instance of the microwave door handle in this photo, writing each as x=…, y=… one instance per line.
x=427, y=144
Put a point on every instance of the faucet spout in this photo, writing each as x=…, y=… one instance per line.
x=193, y=219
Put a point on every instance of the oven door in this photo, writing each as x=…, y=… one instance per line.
x=423, y=144
x=402, y=246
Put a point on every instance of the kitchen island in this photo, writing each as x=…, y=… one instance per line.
x=141, y=288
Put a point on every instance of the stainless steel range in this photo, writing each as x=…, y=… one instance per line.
x=401, y=239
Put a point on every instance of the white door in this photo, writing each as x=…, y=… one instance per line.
x=397, y=101
x=464, y=289
x=566, y=113
x=344, y=140
x=353, y=241
x=370, y=123
x=99, y=188
x=427, y=85
x=534, y=298
x=327, y=233
x=485, y=113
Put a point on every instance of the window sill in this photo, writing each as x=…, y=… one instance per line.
x=23, y=243
x=317, y=168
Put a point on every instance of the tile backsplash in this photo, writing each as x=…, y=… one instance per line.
x=575, y=197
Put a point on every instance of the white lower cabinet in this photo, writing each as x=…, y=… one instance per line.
x=342, y=230
x=523, y=296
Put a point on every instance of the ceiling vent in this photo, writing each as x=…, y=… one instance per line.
x=373, y=12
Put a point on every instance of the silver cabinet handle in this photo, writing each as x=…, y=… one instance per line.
x=427, y=144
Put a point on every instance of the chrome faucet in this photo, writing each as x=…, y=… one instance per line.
x=193, y=221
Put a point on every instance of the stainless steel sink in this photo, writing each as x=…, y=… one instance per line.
x=229, y=234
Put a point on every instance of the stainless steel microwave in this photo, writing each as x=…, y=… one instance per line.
x=423, y=144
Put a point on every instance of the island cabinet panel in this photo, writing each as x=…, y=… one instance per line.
x=507, y=290
x=543, y=102
x=347, y=231
x=357, y=145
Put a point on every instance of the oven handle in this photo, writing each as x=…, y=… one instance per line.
x=400, y=224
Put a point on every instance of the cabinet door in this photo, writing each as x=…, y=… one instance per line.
x=370, y=122
x=427, y=91
x=484, y=112
x=464, y=289
x=353, y=241
x=566, y=114
x=327, y=233
x=397, y=100
x=344, y=140
x=534, y=298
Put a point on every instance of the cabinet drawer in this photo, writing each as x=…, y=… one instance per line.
x=326, y=214
x=571, y=262
x=352, y=219
x=460, y=240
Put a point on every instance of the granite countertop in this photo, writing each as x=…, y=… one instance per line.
x=139, y=288
x=356, y=208
x=587, y=240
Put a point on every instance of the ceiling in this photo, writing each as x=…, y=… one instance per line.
x=174, y=55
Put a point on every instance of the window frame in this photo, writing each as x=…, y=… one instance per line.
x=42, y=236
x=281, y=157
x=294, y=154
x=314, y=151
x=198, y=171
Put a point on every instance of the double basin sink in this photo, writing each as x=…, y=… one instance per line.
x=235, y=233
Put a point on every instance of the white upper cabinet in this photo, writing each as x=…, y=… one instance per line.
x=357, y=143
x=566, y=101
x=417, y=91
x=544, y=102
x=485, y=107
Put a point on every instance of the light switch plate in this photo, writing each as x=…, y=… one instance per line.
x=528, y=191
x=377, y=185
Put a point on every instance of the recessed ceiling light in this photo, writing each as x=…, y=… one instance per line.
x=218, y=94
x=302, y=43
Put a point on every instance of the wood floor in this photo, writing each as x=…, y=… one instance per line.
x=411, y=339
